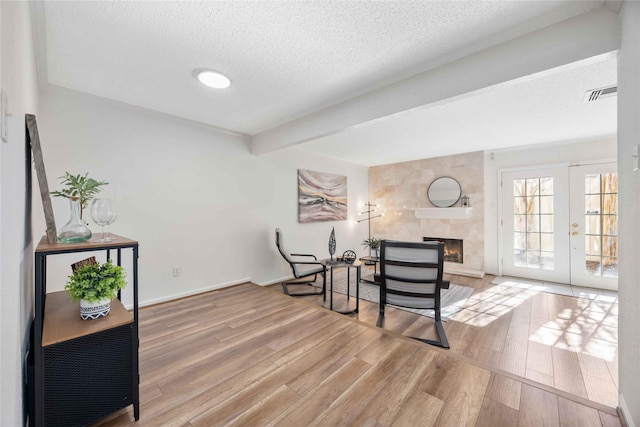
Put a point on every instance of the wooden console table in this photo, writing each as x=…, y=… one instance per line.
x=82, y=370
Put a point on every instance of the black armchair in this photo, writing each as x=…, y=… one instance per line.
x=303, y=266
x=411, y=276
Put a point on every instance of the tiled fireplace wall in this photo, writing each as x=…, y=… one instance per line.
x=400, y=187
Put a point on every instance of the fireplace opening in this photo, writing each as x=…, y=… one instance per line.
x=453, y=248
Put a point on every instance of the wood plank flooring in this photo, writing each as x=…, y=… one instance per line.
x=251, y=356
x=569, y=344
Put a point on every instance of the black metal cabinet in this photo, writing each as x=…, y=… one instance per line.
x=83, y=370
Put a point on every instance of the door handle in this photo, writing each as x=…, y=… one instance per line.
x=574, y=233
x=574, y=225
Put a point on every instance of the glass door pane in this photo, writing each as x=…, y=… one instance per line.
x=533, y=223
x=535, y=218
x=594, y=225
x=601, y=224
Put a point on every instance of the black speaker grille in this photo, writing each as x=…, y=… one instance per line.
x=88, y=377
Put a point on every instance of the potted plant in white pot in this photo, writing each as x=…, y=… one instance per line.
x=373, y=244
x=95, y=285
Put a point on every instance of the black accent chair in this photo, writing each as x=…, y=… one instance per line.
x=303, y=268
x=411, y=276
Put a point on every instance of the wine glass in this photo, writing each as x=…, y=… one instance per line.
x=103, y=213
x=111, y=220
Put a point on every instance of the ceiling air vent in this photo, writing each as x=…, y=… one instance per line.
x=603, y=92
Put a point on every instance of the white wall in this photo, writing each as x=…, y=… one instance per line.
x=193, y=197
x=547, y=154
x=16, y=253
x=629, y=137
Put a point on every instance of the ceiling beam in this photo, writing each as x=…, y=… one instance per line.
x=590, y=34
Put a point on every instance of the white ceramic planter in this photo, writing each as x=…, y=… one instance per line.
x=94, y=310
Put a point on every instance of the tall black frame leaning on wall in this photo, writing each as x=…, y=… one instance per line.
x=33, y=139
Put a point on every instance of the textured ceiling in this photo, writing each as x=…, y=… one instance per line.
x=545, y=109
x=288, y=59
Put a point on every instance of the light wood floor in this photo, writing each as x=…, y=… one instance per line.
x=251, y=356
x=567, y=343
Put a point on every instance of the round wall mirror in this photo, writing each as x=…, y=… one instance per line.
x=444, y=192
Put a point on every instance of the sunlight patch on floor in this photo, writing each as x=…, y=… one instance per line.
x=589, y=327
x=482, y=308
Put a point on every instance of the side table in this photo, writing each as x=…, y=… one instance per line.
x=341, y=264
x=374, y=260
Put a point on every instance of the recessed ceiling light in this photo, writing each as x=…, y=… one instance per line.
x=213, y=79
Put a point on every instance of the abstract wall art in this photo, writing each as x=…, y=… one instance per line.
x=321, y=196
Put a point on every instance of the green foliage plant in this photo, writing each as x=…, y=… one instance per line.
x=81, y=187
x=372, y=243
x=95, y=282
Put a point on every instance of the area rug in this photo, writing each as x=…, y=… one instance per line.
x=452, y=299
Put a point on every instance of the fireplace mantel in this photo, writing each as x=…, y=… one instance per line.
x=443, y=213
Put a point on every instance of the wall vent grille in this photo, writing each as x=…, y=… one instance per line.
x=603, y=92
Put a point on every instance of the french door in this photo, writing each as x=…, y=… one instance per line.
x=594, y=226
x=560, y=225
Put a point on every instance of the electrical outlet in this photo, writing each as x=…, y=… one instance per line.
x=177, y=271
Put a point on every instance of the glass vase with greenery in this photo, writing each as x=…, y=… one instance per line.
x=81, y=187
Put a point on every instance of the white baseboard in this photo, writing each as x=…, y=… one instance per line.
x=271, y=282
x=188, y=293
x=625, y=412
x=461, y=271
